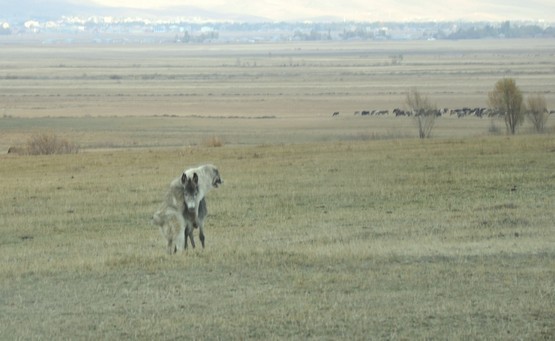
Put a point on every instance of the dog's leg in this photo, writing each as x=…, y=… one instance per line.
x=189, y=234
x=203, y=211
x=186, y=233
x=171, y=248
x=179, y=241
x=201, y=235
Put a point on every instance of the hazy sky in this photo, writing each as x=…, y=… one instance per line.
x=372, y=10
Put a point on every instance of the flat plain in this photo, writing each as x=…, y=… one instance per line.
x=343, y=227
x=281, y=79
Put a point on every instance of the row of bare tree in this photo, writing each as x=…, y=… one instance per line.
x=506, y=99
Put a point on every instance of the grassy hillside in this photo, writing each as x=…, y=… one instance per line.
x=393, y=239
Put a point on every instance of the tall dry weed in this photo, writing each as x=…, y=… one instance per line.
x=213, y=141
x=50, y=143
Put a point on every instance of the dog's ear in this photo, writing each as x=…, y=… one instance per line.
x=183, y=178
x=195, y=178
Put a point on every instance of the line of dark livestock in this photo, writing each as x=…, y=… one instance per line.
x=460, y=112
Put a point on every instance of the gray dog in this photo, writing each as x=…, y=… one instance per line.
x=184, y=207
x=200, y=181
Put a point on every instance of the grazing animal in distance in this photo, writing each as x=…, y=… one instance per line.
x=335, y=114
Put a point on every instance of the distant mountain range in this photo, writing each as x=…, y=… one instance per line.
x=298, y=10
x=54, y=9
x=49, y=9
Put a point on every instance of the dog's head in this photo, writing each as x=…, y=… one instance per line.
x=214, y=174
x=191, y=191
x=216, y=178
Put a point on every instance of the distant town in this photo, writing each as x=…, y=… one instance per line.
x=112, y=30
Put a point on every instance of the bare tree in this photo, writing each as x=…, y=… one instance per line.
x=424, y=112
x=537, y=112
x=506, y=100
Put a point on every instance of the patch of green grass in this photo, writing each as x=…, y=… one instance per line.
x=378, y=239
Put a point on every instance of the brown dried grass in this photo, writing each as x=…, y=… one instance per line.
x=50, y=143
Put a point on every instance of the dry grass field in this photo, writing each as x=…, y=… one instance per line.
x=289, y=79
x=392, y=239
x=342, y=227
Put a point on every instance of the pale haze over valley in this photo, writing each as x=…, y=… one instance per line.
x=297, y=10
